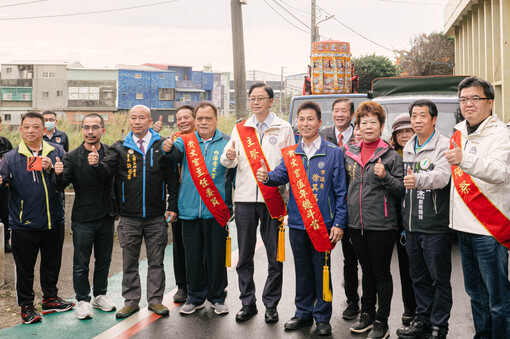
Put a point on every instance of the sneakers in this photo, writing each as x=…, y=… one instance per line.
x=180, y=296
x=29, y=315
x=103, y=303
x=84, y=310
x=220, y=308
x=51, y=305
x=364, y=324
x=379, y=331
x=190, y=308
x=159, y=309
x=351, y=311
x=126, y=311
x=417, y=330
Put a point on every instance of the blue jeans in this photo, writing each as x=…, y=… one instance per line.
x=485, y=267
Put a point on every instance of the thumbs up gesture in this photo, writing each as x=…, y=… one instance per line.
x=169, y=142
x=262, y=172
x=410, y=179
x=59, y=167
x=158, y=125
x=454, y=155
x=93, y=157
x=379, y=169
x=231, y=152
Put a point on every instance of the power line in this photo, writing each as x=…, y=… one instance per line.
x=295, y=8
x=295, y=17
x=413, y=3
x=22, y=3
x=284, y=18
x=87, y=13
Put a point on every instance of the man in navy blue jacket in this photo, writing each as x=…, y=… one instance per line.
x=36, y=217
x=325, y=172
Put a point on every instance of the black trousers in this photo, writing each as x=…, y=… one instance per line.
x=350, y=269
x=97, y=234
x=205, y=244
x=179, y=255
x=374, y=250
x=405, y=277
x=25, y=249
x=247, y=218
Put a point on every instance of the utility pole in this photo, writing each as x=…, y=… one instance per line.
x=313, y=25
x=281, y=90
x=239, y=65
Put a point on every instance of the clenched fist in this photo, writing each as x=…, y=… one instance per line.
x=59, y=167
x=93, y=157
x=379, y=169
x=231, y=152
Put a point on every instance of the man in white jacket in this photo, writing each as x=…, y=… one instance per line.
x=262, y=136
x=480, y=206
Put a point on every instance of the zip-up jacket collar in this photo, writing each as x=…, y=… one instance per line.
x=129, y=142
x=354, y=151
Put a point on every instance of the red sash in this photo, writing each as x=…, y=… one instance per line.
x=254, y=154
x=305, y=200
x=203, y=181
x=482, y=208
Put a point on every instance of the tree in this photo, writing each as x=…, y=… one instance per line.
x=370, y=67
x=432, y=54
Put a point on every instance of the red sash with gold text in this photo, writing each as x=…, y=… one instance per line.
x=305, y=200
x=203, y=181
x=252, y=148
x=482, y=208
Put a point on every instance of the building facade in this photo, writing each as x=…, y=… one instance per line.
x=481, y=44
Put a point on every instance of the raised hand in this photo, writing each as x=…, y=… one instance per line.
x=46, y=164
x=231, y=152
x=59, y=167
x=169, y=142
x=262, y=172
x=410, y=179
x=93, y=157
x=454, y=155
x=158, y=125
x=379, y=169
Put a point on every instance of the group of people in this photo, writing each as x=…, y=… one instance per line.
x=339, y=184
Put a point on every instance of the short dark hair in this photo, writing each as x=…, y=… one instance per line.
x=191, y=108
x=94, y=115
x=265, y=86
x=488, y=89
x=49, y=112
x=310, y=105
x=204, y=104
x=370, y=107
x=420, y=103
x=344, y=100
x=32, y=114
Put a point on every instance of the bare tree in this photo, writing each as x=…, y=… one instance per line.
x=432, y=54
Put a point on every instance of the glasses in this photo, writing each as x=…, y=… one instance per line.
x=255, y=99
x=88, y=128
x=474, y=100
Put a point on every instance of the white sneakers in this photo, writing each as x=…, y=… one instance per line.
x=103, y=303
x=84, y=310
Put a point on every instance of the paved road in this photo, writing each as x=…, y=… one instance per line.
x=206, y=324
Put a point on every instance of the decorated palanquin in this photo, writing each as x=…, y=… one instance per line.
x=331, y=67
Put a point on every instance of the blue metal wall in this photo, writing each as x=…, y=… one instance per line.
x=149, y=84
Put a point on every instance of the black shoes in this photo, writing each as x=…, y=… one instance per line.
x=180, y=296
x=407, y=317
x=323, y=329
x=271, y=315
x=7, y=248
x=417, y=330
x=29, y=315
x=364, y=324
x=379, y=331
x=246, y=312
x=436, y=333
x=297, y=323
x=351, y=311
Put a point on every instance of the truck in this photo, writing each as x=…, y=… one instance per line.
x=396, y=94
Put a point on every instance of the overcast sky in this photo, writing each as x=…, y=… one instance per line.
x=198, y=32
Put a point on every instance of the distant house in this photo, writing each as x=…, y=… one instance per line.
x=33, y=85
x=149, y=86
x=91, y=90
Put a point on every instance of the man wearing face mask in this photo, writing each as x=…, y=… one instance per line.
x=52, y=134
